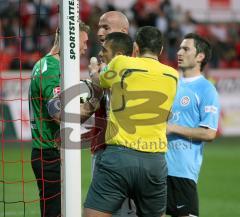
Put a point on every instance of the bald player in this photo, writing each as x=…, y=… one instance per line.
x=111, y=21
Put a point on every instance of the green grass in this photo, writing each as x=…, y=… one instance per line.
x=14, y=191
x=219, y=191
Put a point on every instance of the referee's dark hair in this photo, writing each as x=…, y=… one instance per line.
x=149, y=39
x=202, y=46
x=120, y=42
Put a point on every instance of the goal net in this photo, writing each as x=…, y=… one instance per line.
x=27, y=30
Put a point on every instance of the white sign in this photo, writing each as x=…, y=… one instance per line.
x=228, y=85
x=15, y=95
x=202, y=10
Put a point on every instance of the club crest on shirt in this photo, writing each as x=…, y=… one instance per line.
x=56, y=91
x=185, y=101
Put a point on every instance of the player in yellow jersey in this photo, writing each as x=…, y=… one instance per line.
x=133, y=164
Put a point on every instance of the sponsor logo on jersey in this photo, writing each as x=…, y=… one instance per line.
x=185, y=101
x=211, y=109
x=56, y=91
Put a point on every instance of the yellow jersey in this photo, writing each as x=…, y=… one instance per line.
x=142, y=93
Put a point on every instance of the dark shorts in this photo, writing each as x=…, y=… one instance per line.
x=128, y=208
x=182, y=197
x=122, y=172
x=46, y=167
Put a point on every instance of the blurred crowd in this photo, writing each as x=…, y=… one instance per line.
x=27, y=29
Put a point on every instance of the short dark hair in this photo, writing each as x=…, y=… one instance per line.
x=202, y=46
x=149, y=39
x=120, y=42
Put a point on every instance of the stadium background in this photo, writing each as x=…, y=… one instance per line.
x=26, y=33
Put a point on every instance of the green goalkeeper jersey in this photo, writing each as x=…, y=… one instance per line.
x=45, y=84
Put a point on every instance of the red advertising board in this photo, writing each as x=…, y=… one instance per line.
x=219, y=3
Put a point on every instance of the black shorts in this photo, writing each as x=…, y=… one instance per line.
x=182, y=197
x=46, y=167
x=122, y=172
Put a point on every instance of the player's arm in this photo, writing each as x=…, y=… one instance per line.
x=103, y=75
x=51, y=94
x=89, y=107
x=87, y=110
x=200, y=133
x=54, y=108
x=94, y=70
x=209, y=109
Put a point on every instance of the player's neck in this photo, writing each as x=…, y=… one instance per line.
x=189, y=73
x=55, y=53
x=148, y=55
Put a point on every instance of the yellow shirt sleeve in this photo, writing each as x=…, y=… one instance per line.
x=109, y=75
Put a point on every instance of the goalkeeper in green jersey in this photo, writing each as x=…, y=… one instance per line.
x=44, y=116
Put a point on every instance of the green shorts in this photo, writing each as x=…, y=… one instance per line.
x=122, y=172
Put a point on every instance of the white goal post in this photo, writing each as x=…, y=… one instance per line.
x=70, y=67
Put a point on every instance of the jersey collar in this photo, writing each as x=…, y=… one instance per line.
x=188, y=80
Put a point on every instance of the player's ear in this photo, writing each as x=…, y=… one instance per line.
x=136, y=51
x=124, y=30
x=119, y=53
x=161, y=51
x=200, y=57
